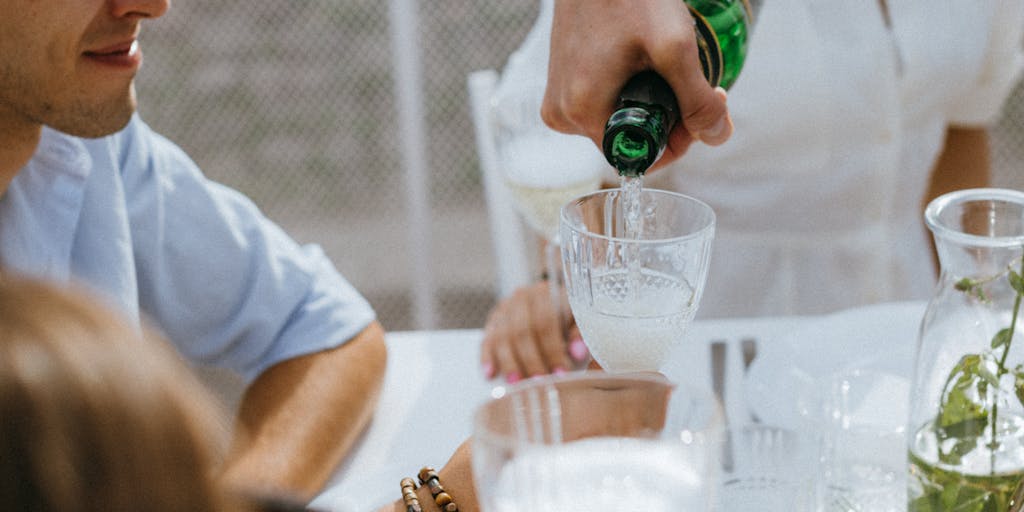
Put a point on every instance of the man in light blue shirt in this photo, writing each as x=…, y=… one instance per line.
x=90, y=195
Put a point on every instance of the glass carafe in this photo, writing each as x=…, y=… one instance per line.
x=966, y=427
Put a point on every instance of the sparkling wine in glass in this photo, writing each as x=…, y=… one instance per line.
x=543, y=168
x=634, y=284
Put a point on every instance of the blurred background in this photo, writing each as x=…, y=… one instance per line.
x=310, y=107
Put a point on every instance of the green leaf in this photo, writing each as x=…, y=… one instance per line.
x=988, y=378
x=963, y=415
x=924, y=503
x=965, y=284
x=1018, y=383
x=1002, y=338
x=1017, y=282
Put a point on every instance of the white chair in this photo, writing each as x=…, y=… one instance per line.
x=508, y=234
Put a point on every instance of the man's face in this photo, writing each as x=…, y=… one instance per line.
x=70, y=64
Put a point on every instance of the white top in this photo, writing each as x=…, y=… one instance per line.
x=839, y=117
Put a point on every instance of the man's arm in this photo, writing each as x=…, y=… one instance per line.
x=301, y=416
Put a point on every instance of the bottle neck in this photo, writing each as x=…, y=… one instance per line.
x=637, y=132
x=977, y=232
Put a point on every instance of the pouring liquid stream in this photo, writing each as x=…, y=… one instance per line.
x=631, y=188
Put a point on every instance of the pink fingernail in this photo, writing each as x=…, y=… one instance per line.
x=488, y=370
x=513, y=377
x=558, y=370
x=578, y=350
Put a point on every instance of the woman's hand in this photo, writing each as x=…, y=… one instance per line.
x=524, y=336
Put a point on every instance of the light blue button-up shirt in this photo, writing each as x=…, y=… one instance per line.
x=131, y=217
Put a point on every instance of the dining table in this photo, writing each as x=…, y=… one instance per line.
x=434, y=383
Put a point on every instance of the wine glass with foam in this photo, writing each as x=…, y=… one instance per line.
x=634, y=284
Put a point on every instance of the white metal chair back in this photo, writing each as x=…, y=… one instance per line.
x=508, y=234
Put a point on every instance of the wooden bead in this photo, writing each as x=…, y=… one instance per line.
x=428, y=477
x=412, y=503
x=408, y=483
x=442, y=499
x=435, y=486
x=427, y=473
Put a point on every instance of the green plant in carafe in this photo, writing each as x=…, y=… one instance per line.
x=966, y=430
x=637, y=131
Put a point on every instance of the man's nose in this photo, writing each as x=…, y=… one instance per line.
x=139, y=8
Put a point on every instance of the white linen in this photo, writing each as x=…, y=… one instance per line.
x=428, y=399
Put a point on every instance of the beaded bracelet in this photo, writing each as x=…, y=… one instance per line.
x=412, y=503
x=428, y=477
x=442, y=499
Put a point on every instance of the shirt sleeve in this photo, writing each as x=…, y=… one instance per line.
x=1001, y=67
x=227, y=286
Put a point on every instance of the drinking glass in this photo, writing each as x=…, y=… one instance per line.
x=634, y=287
x=864, y=452
x=775, y=470
x=543, y=169
x=596, y=441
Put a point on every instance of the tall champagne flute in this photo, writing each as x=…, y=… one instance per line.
x=543, y=169
x=596, y=442
x=634, y=284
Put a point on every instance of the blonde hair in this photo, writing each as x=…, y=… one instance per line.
x=97, y=414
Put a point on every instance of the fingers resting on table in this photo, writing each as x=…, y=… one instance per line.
x=524, y=337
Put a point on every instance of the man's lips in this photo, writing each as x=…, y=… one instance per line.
x=125, y=54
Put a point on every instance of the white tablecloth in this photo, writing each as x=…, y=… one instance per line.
x=434, y=383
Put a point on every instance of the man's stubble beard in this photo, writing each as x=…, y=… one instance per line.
x=89, y=120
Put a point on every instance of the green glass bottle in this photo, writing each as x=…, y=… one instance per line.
x=637, y=132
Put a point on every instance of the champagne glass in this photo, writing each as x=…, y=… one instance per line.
x=634, y=283
x=597, y=441
x=543, y=169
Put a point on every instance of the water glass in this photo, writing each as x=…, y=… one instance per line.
x=596, y=441
x=865, y=448
x=634, y=281
x=774, y=471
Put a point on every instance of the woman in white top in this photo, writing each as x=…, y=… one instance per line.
x=847, y=118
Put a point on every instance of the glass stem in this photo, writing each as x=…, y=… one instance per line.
x=553, y=263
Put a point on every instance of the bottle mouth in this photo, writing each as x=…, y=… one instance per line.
x=630, y=150
x=987, y=217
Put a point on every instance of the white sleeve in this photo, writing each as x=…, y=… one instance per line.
x=1001, y=69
